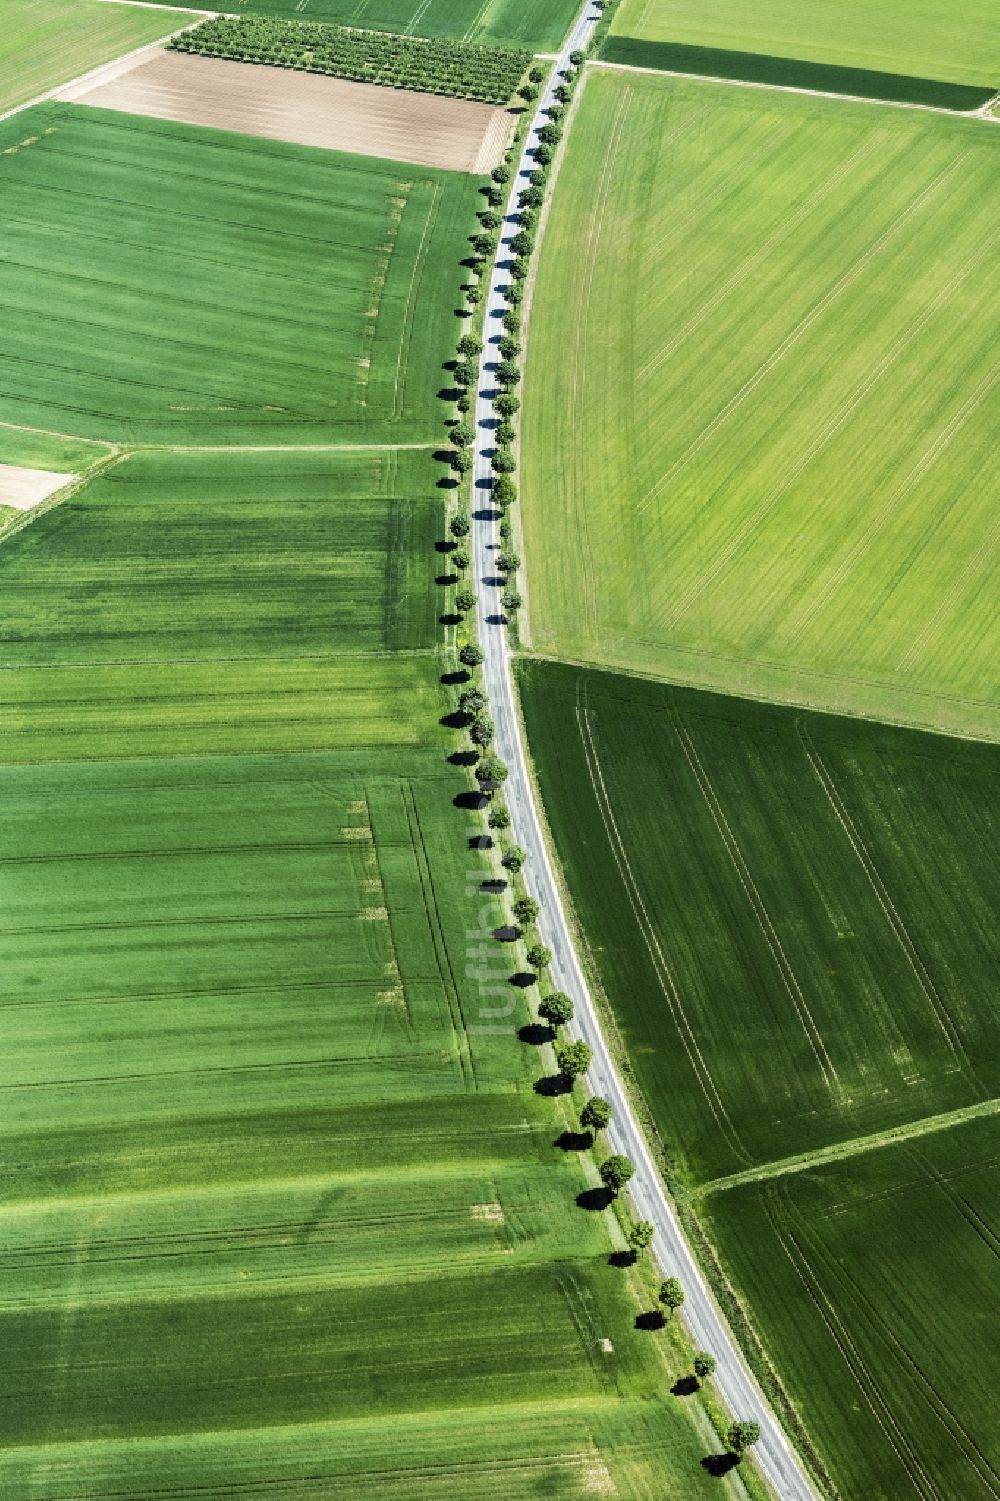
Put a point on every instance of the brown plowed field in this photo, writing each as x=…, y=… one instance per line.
x=307, y=108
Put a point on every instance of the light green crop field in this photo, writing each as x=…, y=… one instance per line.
x=47, y=42
x=775, y=479
x=791, y=918
x=170, y=284
x=874, y=1284
x=928, y=40
x=281, y=1211
x=542, y=25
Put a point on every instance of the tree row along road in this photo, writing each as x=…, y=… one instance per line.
x=707, y=1325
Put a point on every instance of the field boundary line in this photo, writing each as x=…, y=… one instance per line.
x=789, y=88
x=842, y=1151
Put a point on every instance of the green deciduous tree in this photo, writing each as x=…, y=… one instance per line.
x=596, y=1114
x=557, y=1008
x=573, y=1059
x=507, y=403
x=465, y=600
x=704, y=1365
x=741, y=1436
x=640, y=1236
x=471, y=655
x=514, y=858
x=616, y=1172
x=525, y=909
x=491, y=772
x=459, y=525
x=671, y=1293
x=539, y=957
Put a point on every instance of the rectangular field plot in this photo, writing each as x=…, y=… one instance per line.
x=575, y=1449
x=541, y=25
x=47, y=42
x=168, y=283
x=873, y=1282
x=776, y=478
x=197, y=956
x=934, y=40
x=792, y=915
x=314, y=111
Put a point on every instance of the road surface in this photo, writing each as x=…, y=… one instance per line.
x=708, y=1328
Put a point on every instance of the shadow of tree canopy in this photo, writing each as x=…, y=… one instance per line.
x=594, y=1199
x=719, y=1465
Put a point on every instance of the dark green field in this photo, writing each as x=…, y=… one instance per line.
x=792, y=918
x=792, y=913
x=170, y=284
x=873, y=1282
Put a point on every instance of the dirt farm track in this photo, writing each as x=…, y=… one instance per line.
x=306, y=108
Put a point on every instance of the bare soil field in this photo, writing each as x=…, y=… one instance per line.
x=305, y=108
x=24, y=488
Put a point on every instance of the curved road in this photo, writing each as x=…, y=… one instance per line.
x=709, y=1329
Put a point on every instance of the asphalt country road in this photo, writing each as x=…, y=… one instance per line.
x=708, y=1328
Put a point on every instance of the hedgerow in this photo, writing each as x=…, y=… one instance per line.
x=432, y=66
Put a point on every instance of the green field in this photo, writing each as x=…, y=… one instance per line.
x=169, y=284
x=800, y=950
x=791, y=917
x=47, y=42
x=775, y=479
x=542, y=25
x=278, y=1190
x=932, y=40
x=874, y=1284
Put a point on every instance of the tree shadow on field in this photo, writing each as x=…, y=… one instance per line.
x=653, y=1319
x=475, y=802
x=622, y=1258
x=719, y=1465
x=480, y=841
x=523, y=979
x=445, y=545
x=456, y=720
x=445, y=580
x=452, y=679
x=686, y=1386
x=463, y=758
x=536, y=1034
x=507, y=933
x=574, y=1141
x=552, y=1086
x=596, y=1200
x=450, y=618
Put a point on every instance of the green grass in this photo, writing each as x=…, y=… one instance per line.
x=542, y=25
x=47, y=42
x=169, y=284
x=931, y=41
x=790, y=913
x=873, y=1282
x=32, y=450
x=774, y=480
